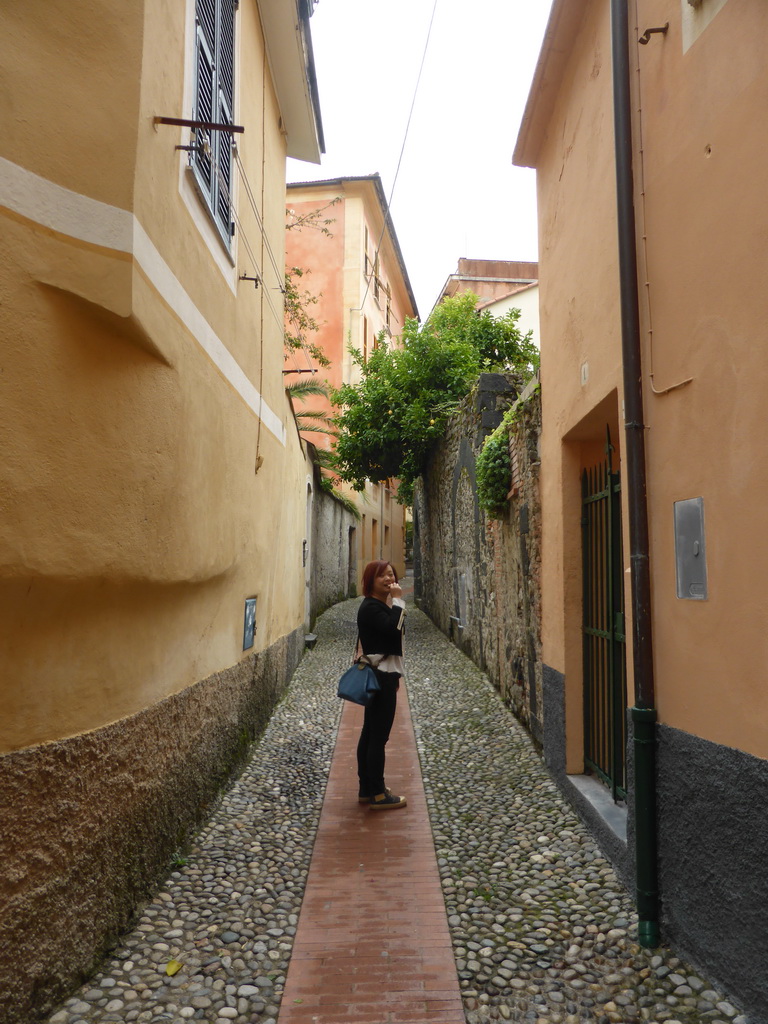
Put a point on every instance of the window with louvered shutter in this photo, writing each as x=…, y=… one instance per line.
x=214, y=102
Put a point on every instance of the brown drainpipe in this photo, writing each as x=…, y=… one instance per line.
x=644, y=712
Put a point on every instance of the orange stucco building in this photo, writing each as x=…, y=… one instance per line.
x=153, y=500
x=645, y=124
x=358, y=274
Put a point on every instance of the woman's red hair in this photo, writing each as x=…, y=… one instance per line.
x=371, y=571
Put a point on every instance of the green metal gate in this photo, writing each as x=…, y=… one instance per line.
x=605, y=740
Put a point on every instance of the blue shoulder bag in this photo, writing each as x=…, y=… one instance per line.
x=359, y=683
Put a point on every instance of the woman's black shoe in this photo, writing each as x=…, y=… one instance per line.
x=386, y=801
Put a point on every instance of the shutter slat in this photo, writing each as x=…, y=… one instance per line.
x=203, y=107
x=206, y=17
x=226, y=47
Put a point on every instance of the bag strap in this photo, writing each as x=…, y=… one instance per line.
x=359, y=657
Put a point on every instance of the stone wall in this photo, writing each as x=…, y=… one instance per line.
x=333, y=551
x=90, y=824
x=477, y=578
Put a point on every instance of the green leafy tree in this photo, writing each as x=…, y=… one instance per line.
x=390, y=420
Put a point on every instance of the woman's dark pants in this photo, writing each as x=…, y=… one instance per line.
x=377, y=725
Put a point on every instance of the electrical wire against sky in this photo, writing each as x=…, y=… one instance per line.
x=457, y=192
x=388, y=218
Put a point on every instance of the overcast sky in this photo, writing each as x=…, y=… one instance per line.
x=457, y=193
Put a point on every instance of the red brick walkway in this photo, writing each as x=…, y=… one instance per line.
x=372, y=945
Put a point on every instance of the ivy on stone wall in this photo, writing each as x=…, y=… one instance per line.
x=493, y=467
x=493, y=471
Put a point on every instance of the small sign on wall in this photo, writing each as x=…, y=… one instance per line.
x=690, y=550
x=249, y=625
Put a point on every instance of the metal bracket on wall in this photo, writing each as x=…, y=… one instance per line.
x=210, y=126
x=645, y=38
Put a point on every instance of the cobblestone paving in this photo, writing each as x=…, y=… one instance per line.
x=542, y=929
x=229, y=916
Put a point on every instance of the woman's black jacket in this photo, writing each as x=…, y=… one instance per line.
x=381, y=627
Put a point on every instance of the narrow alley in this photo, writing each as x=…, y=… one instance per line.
x=534, y=925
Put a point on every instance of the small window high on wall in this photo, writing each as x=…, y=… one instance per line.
x=214, y=103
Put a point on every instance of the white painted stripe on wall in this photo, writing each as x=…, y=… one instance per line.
x=59, y=209
x=168, y=285
x=89, y=220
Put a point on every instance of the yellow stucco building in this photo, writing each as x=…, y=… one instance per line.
x=153, y=495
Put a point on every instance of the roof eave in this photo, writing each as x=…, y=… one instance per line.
x=507, y=295
x=292, y=63
x=555, y=50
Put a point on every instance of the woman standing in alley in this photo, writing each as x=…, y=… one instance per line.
x=380, y=623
